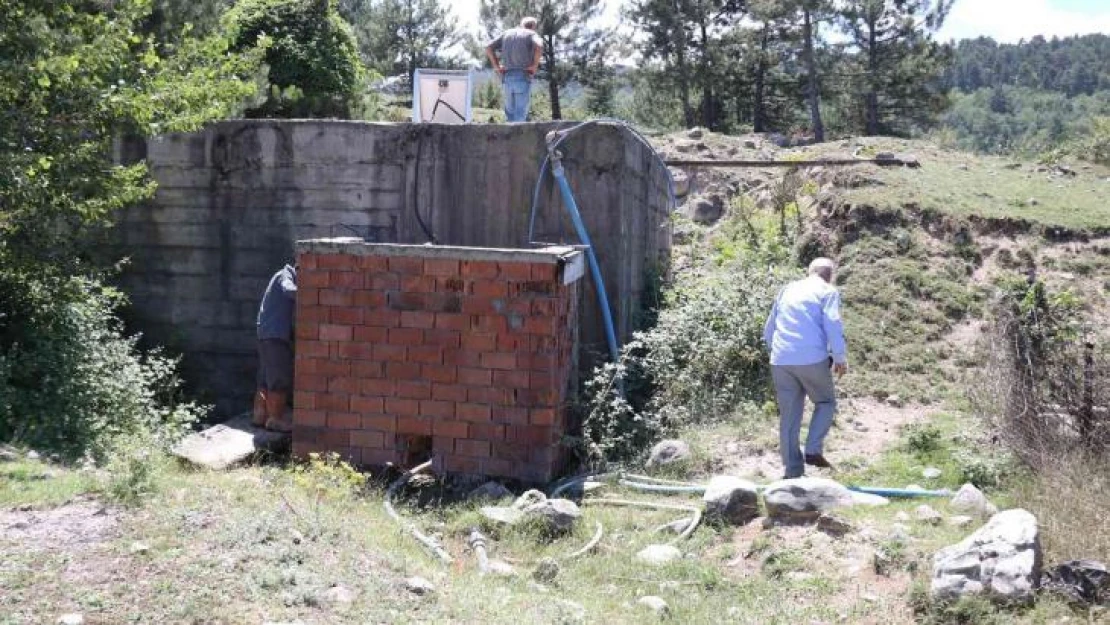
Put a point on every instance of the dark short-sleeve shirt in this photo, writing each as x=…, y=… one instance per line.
x=275, y=315
x=517, y=47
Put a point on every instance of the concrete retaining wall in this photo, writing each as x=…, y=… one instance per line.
x=233, y=199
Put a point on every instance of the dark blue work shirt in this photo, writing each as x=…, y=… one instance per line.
x=275, y=316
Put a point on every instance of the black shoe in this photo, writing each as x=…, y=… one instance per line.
x=817, y=460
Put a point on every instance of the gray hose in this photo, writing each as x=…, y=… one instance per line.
x=663, y=488
x=478, y=545
x=430, y=543
x=590, y=545
x=694, y=512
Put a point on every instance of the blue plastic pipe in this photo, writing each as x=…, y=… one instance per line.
x=595, y=269
x=900, y=492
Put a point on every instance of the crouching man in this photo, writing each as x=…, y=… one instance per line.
x=275, y=351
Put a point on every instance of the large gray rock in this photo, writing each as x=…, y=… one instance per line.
x=655, y=604
x=706, y=209
x=971, y=499
x=730, y=500
x=805, y=499
x=681, y=181
x=502, y=515
x=490, y=491
x=1001, y=560
x=667, y=452
x=556, y=516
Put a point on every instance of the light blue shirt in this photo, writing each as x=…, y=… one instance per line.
x=804, y=325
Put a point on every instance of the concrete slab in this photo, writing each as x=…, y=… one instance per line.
x=224, y=445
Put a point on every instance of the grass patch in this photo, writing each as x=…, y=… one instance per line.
x=33, y=482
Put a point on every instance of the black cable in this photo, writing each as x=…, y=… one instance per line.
x=439, y=101
x=416, y=193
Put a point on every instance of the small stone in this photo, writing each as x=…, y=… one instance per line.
x=296, y=537
x=34, y=455
x=337, y=595
x=7, y=455
x=902, y=516
x=971, y=499
x=570, y=610
x=529, y=498
x=732, y=448
x=72, y=618
x=695, y=133
x=667, y=452
x=833, y=525
x=655, y=604
x=799, y=576
x=546, y=571
x=730, y=500
x=558, y=516
x=931, y=473
x=926, y=514
x=960, y=521
x=658, y=555
x=419, y=586
x=139, y=548
x=895, y=401
x=490, y=491
x=899, y=533
x=881, y=562
x=962, y=167
x=751, y=144
x=1001, y=560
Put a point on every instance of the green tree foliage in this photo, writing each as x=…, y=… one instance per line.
x=314, y=67
x=568, y=32
x=171, y=20
x=74, y=76
x=899, y=64
x=399, y=36
x=1072, y=66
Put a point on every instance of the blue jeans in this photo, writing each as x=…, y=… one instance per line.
x=792, y=384
x=516, y=88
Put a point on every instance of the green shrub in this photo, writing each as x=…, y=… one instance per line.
x=923, y=438
x=312, y=54
x=70, y=381
x=132, y=469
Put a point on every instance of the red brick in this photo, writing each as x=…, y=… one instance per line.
x=418, y=319
x=426, y=354
x=536, y=362
x=354, y=351
x=343, y=262
x=437, y=409
x=511, y=415
x=451, y=429
x=413, y=389
x=373, y=263
x=402, y=370
x=319, y=314
x=382, y=318
x=383, y=388
x=415, y=425
x=334, y=402
x=313, y=279
x=418, y=284
x=462, y=357
x=442, y=445
x=542, y=343
x=497, y=466
x=450, y=285
x=544, y=306
x=402, y=407
x=307, y=262
x=450, y=321
x=486, y=342
x=343, y=421
x=544, y=326
x=306, y=432
x=510, y=379
x=336, y=297
x=379, y=457
x=531, y=435
x=449, y=392
x=333, y=332
x=314, y=418
x=434, y=372
x=488, y=395
x=367, y=439
x=443, y=338
x=542, y=380
x=511, y=343
x=443, y=302
x=308, y=330
x=333, y=368
x=476, y=449
x=385, y=282
x=475, y=377
x=488, y=323
x=441, y=267
x=390, y=353
x=363, y=404
x=461, y=464
x=487, y=432
x=498, y=360
x=399, y=300
x=406, y=336
x=369, y=299
x=303, y=381
x=406, y=265
x=312, y=349
x=509, y=451
x=343, y=385
x=302, y=448
x=379, y=422
x=370, y=334
x=543, y=416
x=479, y=269
x=545, y=272
x=516, y=271
x=346, y=315
x=483, y=305
x=304, y=399
x=346, y=280
x=489, y=288
x=475, y=413
x=307, y=295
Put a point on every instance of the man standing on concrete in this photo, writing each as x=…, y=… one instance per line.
x=275, y=351
x=516, y=54
x=806, y=340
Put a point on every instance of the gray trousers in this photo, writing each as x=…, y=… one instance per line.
x=792, y=384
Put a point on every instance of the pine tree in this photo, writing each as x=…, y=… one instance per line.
x=399, y=36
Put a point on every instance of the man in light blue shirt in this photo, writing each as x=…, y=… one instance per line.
x=806, y=340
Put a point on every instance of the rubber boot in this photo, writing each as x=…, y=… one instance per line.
x=259, y=414
x=275, y=410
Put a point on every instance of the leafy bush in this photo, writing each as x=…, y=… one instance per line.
x=923, y=438
x=132, y=469
x=70, y=380
x=327, y=476
x=312, y=54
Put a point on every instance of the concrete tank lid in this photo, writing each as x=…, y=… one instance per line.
x=358, y=247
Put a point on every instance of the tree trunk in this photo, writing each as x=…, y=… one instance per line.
x=811, y=69
x=707, y=114
x=683, y=85
x=759, y=107
x=872, y=78
x=552, y=78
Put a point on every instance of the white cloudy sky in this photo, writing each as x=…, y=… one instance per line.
x=1005, y=20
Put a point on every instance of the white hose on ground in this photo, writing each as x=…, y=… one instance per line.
x=430, y=543
x=478, y=546
x=588, y=546
x=695, y=512
x=655, y=480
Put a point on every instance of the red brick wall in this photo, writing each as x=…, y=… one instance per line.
x=470, y=356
